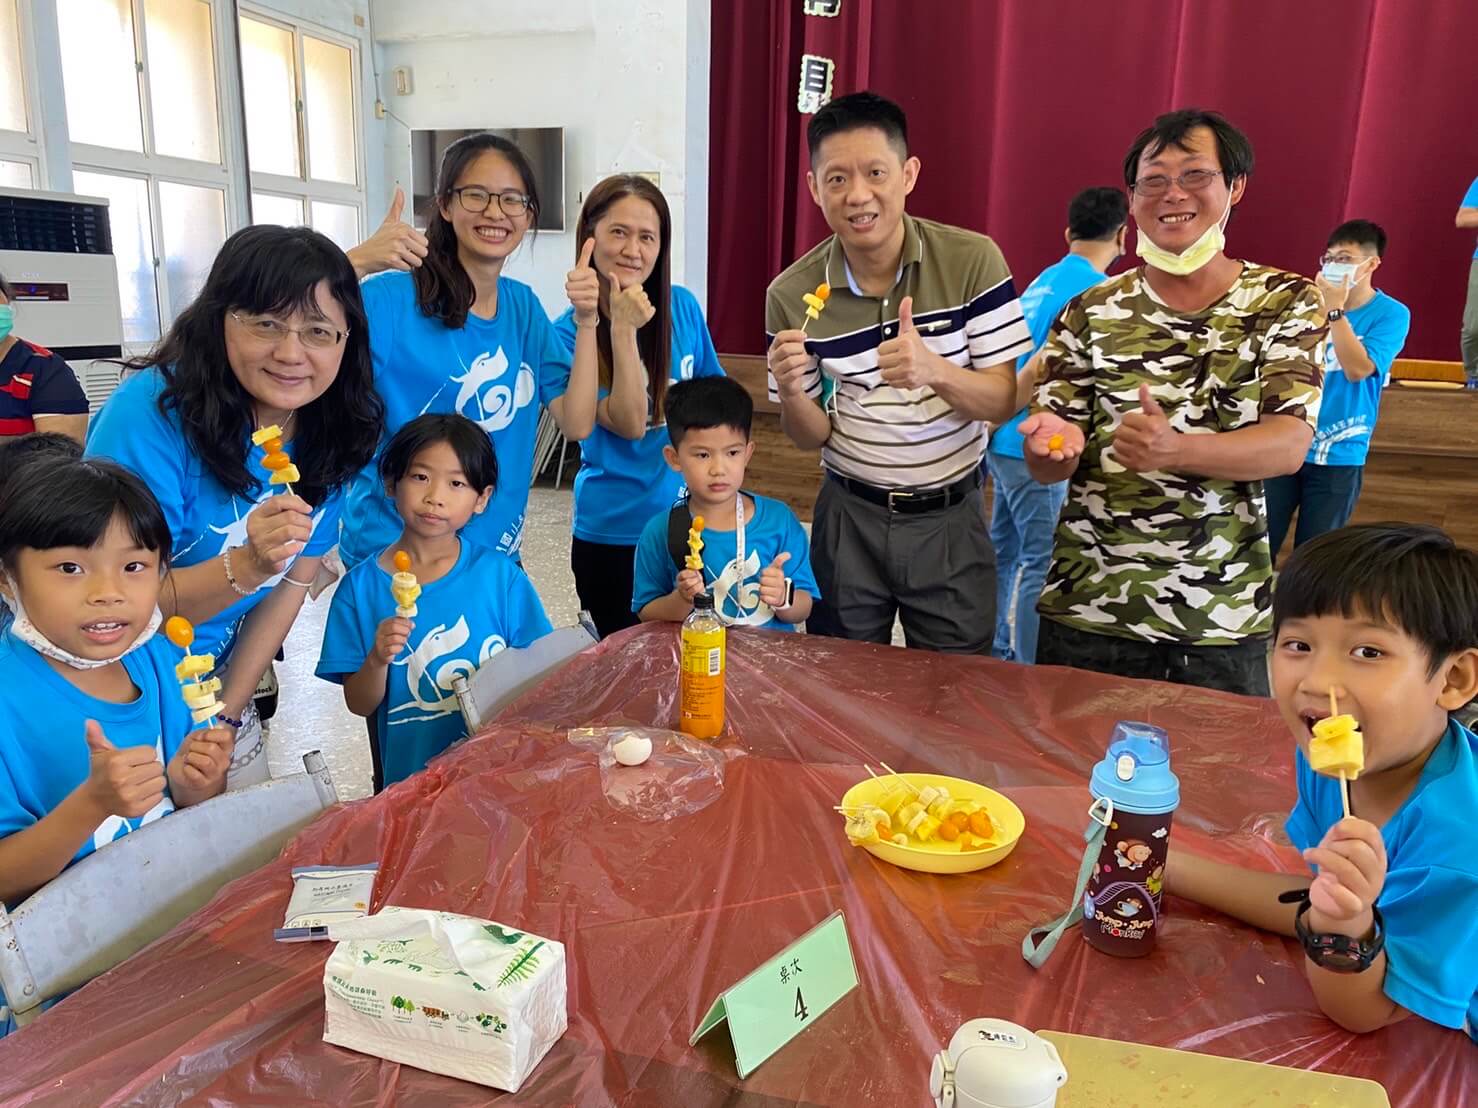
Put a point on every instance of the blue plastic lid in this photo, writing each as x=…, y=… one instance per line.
x=1135, y=773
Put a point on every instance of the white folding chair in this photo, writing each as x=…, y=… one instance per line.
x=510, y=673
x=122, y=897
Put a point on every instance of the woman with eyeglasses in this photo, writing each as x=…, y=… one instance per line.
x=276, y=337
x=452, y=334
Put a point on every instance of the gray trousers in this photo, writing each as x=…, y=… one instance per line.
x=1470, y=326
x=935, y=570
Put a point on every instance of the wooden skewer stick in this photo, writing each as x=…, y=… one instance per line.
x=898, y=775
x=1344, y=784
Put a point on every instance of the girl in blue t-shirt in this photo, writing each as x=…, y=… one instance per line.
x=398, y=669
x=95, y=738
x=642, y=331
x=455, y=335
x=277, y=336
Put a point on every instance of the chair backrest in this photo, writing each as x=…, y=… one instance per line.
x=509, y=673
x=122, y=897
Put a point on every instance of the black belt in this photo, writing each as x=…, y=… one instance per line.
x=911, y=501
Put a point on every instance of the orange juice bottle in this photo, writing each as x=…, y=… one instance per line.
x=701, y=690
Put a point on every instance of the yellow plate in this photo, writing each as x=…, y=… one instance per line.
x=943, y=857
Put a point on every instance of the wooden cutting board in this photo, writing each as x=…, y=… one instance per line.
x=1102, y=1073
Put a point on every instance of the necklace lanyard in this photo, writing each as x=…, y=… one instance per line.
x=739, y=536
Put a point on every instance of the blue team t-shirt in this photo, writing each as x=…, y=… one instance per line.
x=1470, y=200
x=1430, y=898
x=624, y=482
x=484, y=604
x=497, y=372
x=1348, y=411
x=736, y=595
x=204, y=516
x=1042, y=303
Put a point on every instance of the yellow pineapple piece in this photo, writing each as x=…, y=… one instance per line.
x=1337, y=748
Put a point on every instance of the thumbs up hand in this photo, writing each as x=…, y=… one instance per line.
x=630, y=307
x=582, y=286
x=1144, y=441
x=127, y=782
x=904, y=361
x=772, y=582
x=394, y=245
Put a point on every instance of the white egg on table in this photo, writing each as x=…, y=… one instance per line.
x=633, y=750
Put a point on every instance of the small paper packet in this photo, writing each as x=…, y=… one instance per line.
x=323, y=895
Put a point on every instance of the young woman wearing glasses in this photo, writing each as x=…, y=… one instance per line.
x=450, y=333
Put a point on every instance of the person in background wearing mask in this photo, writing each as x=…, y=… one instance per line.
x=1467, y=219
x=1367, y=329
x=1176, y=390
x=38, y=390
x=1024, y=513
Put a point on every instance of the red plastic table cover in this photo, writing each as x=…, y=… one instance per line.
x=658, y=918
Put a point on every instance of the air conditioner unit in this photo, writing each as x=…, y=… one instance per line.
x=56, y=251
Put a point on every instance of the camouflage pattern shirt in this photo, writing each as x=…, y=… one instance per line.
x=1174, y=557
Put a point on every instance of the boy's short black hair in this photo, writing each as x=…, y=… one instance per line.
x=1233, y=150
x=1361, y=232
x=1097, y=214
x=59, y=501
x=705, y=402
x=855, y=111
x=470, y=443
x=1413, y=575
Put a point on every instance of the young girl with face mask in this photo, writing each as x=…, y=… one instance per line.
x=95, y=737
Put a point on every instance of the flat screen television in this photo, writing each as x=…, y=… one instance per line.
x=545, y=147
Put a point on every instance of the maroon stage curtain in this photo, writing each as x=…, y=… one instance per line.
x=1355, y=108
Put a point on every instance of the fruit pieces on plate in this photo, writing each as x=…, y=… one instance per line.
x=905, y=816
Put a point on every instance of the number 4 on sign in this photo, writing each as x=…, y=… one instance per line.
x=761, y=1012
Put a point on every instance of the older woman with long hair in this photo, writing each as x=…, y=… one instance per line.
x=638, y=331
x=277, y=336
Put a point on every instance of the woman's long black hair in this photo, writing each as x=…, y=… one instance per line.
x=270, y=271
x=444, y=291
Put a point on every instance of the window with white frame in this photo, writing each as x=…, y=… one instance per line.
x=144, y=120
x=18, y=148
x=302, y=127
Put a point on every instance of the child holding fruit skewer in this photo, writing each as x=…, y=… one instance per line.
x=431, y=606
x=95, y=738
x=1383, y=617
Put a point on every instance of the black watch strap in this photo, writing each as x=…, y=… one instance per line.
x=1336, y=953
x=1335, y=314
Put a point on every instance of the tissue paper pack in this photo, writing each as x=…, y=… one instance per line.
x=455, y=995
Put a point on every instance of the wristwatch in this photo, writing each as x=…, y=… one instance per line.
x=1334, y=314
x=1336, y=953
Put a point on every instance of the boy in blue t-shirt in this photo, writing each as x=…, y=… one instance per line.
x=1367, y=329
x=756, y=560
x=1385, y=617
x=440, y=471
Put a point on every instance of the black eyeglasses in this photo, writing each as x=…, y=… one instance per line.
x=476, y=199
x=1192, y=180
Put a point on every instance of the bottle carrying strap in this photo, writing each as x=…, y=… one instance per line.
x=1035, y=951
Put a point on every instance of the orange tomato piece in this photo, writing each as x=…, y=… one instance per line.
x=960, y=820
x=178, y=630
x=948, y=832
x=271, y=446
x=277, y=460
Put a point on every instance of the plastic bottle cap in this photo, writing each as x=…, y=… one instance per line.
x=703, y=600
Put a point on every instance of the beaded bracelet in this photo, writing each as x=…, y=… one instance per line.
x=231, y=577
x=234, y=724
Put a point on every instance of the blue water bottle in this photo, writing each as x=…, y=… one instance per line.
x=1135, y=796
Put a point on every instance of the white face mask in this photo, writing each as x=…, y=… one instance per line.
x=1336, y=273
x=31, y=635
x=1193, y=257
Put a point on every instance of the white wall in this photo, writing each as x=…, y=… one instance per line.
x=627, y=79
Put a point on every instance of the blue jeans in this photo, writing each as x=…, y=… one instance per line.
x=1323, y=496
x=1022, y=524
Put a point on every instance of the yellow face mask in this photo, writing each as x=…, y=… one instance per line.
x=1193, y=257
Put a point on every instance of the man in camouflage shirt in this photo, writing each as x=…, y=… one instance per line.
x=1176, y=388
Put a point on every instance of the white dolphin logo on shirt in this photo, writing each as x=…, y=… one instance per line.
x=432, y=694
x=493, y=406
x=743, y=598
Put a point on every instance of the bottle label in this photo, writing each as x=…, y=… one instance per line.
x=1122, y=904
x=701, y=697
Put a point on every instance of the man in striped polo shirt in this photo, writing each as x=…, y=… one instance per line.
x=916, y=347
